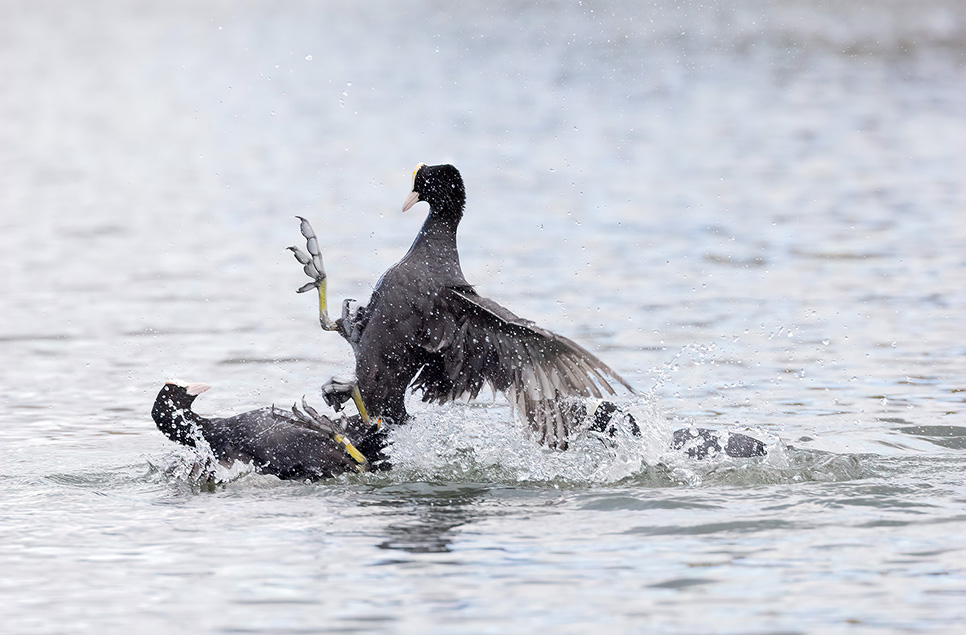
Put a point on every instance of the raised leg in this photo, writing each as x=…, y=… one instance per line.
x=309, y=417
x=314, y=268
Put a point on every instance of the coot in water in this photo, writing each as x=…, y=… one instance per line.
x=297, y=444
x=426, y=327
x=305, y=445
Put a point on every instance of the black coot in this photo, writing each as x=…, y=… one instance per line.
x=296, y=444
x=426, y=327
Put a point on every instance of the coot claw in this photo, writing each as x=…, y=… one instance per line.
x=314, y=268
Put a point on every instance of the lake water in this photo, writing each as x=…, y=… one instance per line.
x=753, y=211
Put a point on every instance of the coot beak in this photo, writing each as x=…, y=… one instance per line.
x=411, y=200
x=196, y=388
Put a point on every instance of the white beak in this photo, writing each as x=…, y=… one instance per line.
x=196, y=388
x=411, y=200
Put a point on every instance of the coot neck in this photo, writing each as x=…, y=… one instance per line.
x=438, y=238
x=178, y=422
x=442, y=223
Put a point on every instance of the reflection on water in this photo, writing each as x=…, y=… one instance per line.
x=424, y=516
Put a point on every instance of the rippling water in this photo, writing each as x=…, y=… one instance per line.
x=753, y=212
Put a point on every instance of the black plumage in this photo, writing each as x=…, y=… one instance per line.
x=700, y=443
x=425, y=326
x=292, y=444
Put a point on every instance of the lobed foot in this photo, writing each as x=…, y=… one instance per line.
x=310, y=418
x=314, y=268
x=339, y=390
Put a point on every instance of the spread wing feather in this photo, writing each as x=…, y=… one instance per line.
x=470, y=341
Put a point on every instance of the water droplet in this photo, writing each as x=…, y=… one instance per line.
x=308, y=58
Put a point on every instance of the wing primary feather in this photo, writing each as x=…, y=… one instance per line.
x=472, y=341
x=562, y=427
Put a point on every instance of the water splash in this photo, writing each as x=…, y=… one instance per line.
x=484, y=442
x=197, y=468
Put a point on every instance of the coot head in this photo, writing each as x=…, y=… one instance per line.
x=172, y=411
x=439, y=185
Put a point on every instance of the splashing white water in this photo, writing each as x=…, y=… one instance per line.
x=485, y=441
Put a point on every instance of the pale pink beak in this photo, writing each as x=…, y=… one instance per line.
x=197, y=388
x=411, y=200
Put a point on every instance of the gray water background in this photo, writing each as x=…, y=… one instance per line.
x=753, y=211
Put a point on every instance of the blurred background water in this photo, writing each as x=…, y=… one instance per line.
x=753, y=211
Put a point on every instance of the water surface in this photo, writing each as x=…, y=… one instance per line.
x=753, y=212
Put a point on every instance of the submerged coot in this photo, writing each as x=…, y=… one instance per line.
x=296, y=444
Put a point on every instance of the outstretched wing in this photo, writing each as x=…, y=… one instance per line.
x=471, y=340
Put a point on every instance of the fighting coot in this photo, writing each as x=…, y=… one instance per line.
x=296, y=444
x=427, y=328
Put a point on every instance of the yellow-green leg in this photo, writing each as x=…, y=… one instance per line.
x=314, y=268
